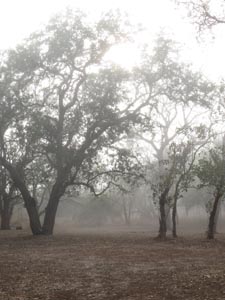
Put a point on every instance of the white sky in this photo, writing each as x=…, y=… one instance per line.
x=18, y=18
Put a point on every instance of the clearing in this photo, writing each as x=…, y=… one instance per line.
x=110, y=265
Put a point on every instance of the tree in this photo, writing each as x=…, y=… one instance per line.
x=163, y=179
x=69, y=106
x=63, y=107
x=184, y=156
x=177, y=85
x=8, y=199
x=128, y=191
x=9, y=196
x=211, y=173
x=206, y=14
x=127, y=176
x=174, y=139
x=97, y=211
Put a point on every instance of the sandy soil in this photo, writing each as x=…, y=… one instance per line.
x=110, y=265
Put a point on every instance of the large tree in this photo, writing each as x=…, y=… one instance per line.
x=61, y=107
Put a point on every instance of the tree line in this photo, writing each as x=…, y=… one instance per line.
x=71, y=121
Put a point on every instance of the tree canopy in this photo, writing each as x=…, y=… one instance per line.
x=65, y=109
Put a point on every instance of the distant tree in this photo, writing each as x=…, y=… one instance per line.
x=97, y=211
x=127, y=193
x=128, y=163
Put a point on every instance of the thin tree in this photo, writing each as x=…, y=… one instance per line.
x=211, y=173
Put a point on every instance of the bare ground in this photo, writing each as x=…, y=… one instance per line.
x=110, y=265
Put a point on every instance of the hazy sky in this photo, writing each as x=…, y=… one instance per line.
x=20, y=17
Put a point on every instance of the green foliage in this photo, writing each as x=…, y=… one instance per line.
x=211, y=169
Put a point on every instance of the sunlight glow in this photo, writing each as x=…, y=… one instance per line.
x=19, y=18
x=126, y=55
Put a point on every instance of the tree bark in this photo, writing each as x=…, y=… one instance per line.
x=168, y=217
x=35, y=223
x=174, y=218
x=5, y=220
x=217, y=214
x=174, y=210
x=51, y=209
x=162, y=218
x=6, y=213
x=29, y=201
x=162, y=227
x=211, y=226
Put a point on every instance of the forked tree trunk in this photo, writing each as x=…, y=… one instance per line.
x=31, y=206
x=211, y=226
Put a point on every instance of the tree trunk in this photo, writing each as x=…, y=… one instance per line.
x=168, y=217
x=5, y=220
x=162, y=227
x=51, y=209
x=29, y=201
x=211, y=226
x=217, y=214
x=174, y=218
x=34, y=219
x=162, y=218
x=126, y=212
x=6, y=213
x=31, y=207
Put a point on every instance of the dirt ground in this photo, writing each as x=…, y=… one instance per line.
x=110, y=265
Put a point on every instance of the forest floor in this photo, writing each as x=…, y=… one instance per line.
x=110, y=265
